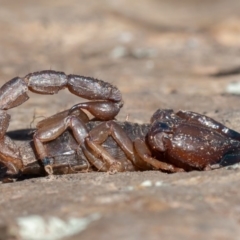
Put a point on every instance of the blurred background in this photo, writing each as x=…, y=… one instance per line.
x=160, y=53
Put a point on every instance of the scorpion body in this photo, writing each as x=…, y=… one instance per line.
x=70, y=142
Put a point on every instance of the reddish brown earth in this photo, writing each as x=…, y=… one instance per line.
x=161, y=54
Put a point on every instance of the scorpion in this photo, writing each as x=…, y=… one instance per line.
x=70, y=141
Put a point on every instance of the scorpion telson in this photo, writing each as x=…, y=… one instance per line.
x=70, y=142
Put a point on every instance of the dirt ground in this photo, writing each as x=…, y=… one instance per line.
x=177, y=54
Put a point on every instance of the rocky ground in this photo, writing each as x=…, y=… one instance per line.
x=161, y=54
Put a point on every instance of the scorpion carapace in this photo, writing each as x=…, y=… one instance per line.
x=69, y=142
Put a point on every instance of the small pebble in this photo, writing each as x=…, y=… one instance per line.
x=233, y=88
x=119, y=52
x=36, y=227
x=158, y=183
x=146, y=183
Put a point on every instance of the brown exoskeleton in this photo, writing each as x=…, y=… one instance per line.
x=69, y=142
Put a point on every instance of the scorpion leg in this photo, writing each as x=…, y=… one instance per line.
x=50, y=128
x=144, y=153
x=99, y=134
x=54, y=126
x=95, y=161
